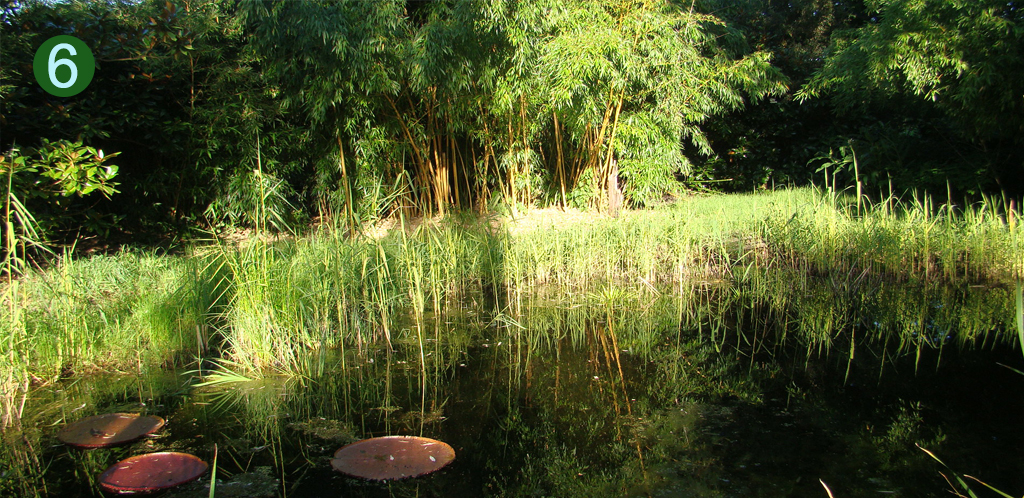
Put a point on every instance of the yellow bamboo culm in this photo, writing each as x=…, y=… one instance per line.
x=1011, y=215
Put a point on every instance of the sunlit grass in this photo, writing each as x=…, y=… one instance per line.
x=121, y=312
x=275, y=306
x=914, y=239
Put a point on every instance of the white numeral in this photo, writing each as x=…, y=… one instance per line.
x=52, y=65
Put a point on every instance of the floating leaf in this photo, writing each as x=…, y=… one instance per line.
x=151, y=472
x=392, y=457
x=109, y=429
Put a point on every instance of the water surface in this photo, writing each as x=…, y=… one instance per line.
x=752, y=385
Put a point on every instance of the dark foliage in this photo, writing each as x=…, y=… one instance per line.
x=227, y=112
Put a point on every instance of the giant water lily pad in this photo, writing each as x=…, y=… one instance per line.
x=392, y=457
x=109, y=429
x=151, y=472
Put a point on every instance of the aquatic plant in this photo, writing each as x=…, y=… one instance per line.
x=151, y=472
x=276, y=304
x=958, y=482
x=109, y=429
x=392, y=457
x=904, y=240
x=126, y=311
x=1019, y=301
x=19, y=233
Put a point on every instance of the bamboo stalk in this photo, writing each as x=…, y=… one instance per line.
x=511, y=174
x=558, y=163
x=452, y=151
x=577, y=163
x=420, y=163
x=610, y=183
x=436, y=172
x=522, y=129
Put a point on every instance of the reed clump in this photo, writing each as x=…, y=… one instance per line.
x=107, y=312
x=903, y=240
x=269, y=305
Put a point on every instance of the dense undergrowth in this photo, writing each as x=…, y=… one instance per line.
x=269, y=305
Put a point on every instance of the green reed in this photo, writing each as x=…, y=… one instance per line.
x=13, y=363
x=125, y=311
x=292, y=297
x=702, y=340
x=1019, y=313
x=279, y=304
x=912, y=239
x=19, y=233
x=962, y=481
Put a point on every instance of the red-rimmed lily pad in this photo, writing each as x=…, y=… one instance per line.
x=392, y=457
x=109, y=429
x=151, y=472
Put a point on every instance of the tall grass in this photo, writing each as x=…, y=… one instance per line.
x=817, y=231
x=904, y=240
x=13, y=364
x=281, y=304
x=124, y=312
x=293, y=297
x=19, y=234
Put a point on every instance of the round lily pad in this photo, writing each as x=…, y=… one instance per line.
x=151, y=472
x=392, y=457
x=109, y=429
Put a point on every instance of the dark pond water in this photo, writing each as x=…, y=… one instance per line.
x=758, y=385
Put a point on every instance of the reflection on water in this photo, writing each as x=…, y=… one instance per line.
x=758, y=386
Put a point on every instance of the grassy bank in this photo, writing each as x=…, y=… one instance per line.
x=272, y=305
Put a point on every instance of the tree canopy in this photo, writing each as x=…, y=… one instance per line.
x=357, y=109
x=961, y=57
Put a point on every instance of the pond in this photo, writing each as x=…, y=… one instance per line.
x=763, y=383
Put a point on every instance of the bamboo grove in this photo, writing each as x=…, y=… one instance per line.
x=358, y=108
x=522, y=99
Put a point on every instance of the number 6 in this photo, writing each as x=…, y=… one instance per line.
x=52, y=65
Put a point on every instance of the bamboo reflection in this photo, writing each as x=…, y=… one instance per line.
x=618, y=391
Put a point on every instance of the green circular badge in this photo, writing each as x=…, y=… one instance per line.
x=64, y=66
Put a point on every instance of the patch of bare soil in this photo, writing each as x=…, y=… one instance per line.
x=387, y=225
x=521, y=222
